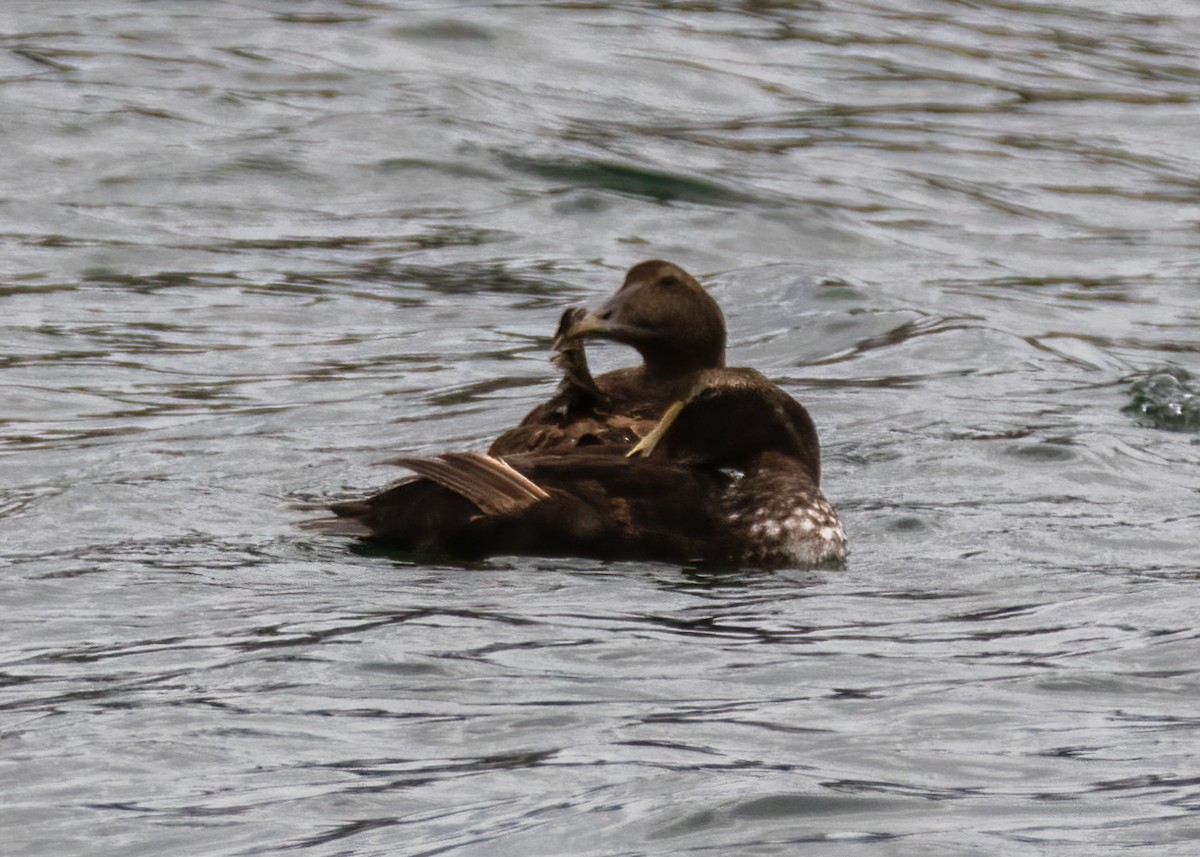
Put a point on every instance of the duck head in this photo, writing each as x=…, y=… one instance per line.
x=664, y=314
x=731, y=418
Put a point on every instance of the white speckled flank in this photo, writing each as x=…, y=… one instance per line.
x=797, y=529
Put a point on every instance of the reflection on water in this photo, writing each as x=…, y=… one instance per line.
x=251, y=251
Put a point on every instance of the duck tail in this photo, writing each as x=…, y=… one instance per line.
x=351, y=527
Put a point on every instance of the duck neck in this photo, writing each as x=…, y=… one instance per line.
x=664, y=365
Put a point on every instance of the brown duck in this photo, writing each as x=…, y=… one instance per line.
x=730, y=474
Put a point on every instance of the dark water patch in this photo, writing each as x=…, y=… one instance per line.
x=323, y=286
x=17, y=500
x=1115, y=289
x=67, y=438
x=438, y=236
x=539, y=280
x=159, y=280
x=259, y=163
x=400, y=770
x=1049, y=450
x=337, y=242
x=319, y=18
x=786, y=806
x=448, y=29
x=657, y=185
x=477, y=391
x=47, y=57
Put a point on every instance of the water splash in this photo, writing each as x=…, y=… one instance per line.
x=1166, y=398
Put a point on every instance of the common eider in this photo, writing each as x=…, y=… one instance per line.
x=729, y=475
x=676, y=327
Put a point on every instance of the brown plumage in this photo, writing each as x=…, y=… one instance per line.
x=678, y=330
x=730, y=474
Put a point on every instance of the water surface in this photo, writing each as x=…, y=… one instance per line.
x=251, y=249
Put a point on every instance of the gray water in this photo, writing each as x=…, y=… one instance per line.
x=249, y=249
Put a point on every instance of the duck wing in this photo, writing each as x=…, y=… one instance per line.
x=487, y=481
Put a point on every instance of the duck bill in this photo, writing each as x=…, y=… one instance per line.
x=603, y=323
x=582, y=326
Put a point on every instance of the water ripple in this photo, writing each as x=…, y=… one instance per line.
x=250, y=252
